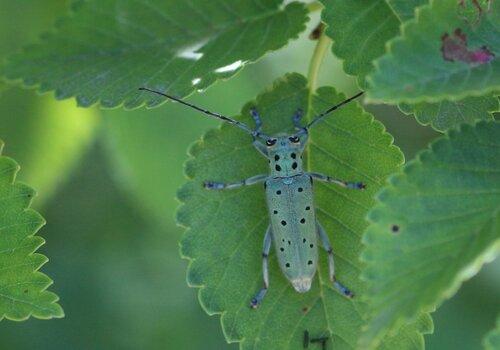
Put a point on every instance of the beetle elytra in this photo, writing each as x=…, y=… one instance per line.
x=294, y=229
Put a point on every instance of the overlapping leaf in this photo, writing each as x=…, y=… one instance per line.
x=434, y=225
x=447, y=114
x=226, y=228
x=444, y=53
x=492, y=339
x=361, y=29
x=22, y=287
x=405, y=9
x=107, y=49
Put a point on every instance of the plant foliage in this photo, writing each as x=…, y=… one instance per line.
x=444, y=53
x=226, y=228
x=361, y=30
x=432, y=227
x=107, y=49
x=23, y=289
x=448, y=114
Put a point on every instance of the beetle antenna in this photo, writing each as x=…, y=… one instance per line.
x=322, y=116
x=240, y=125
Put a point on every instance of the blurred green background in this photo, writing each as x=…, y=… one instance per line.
x=107, y=181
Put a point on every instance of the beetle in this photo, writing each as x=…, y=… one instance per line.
x=294, y=228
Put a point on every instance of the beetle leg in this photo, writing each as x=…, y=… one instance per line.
x=260, y=147
x=256, y=118
x=326, y=178
x=210, y=185
x=265, y=270
x=331, y=266
x=297, y=117
x=258, y=128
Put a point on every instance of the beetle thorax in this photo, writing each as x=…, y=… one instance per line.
x=285, y=158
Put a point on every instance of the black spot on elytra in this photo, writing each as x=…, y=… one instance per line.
x=277, y=167
x=395, y=228
x=293, y=155
x=282, y=249
x=289, y=242
x=302, y=221
x=265, y=185
x=308, y=208
x=276, y=157
x=278, y=192
x=283, y=222
x=282, y=240
x=303, y=240
x=275, y=211
x=294, y=165
x=287, y=264
x=311, y=245
x=300, y=189
x=309, y=262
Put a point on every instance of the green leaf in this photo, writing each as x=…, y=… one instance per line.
x=447, y=114
x=225, y=228
x=492, y=339
x=106, y=50
x=359, y=30
x=443, y=53
x=22, y=287
x=373, y=25
x=405, y=9
x=433, y=226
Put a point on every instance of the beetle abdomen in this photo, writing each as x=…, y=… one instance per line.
x=293, y=225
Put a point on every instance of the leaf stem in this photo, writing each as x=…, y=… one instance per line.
x=322, y=46
x=317, y=59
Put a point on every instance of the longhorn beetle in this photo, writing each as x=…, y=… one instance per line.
x=294, y=228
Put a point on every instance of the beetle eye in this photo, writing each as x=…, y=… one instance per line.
x=270, y=142
x=294, y=139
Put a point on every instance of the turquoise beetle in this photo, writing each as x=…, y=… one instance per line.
x=294, y=228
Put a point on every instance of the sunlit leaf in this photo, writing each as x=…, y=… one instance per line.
x=23, y=289
x=225, y=229
x=444, y=53
x=433, y=226
x=105, y=50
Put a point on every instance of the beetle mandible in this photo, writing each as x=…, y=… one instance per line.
x=293, y=229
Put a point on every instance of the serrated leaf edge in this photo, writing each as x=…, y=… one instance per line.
x=14, y=170
x=38, y=86
x=466, y=273
x=414, y=22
